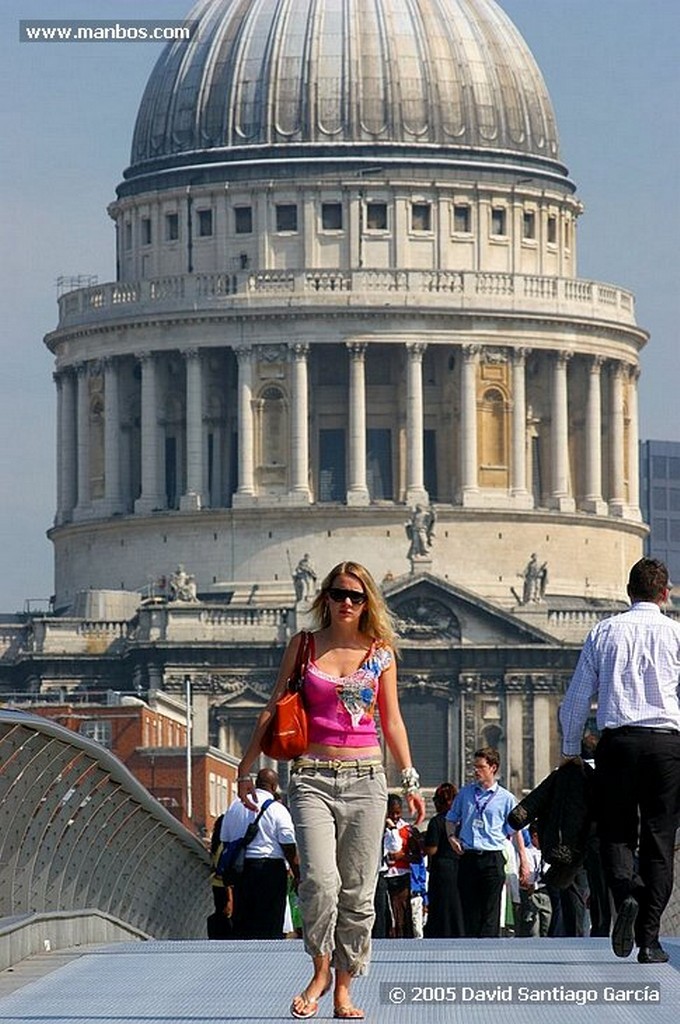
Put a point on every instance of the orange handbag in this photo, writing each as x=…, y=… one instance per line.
x=286, y=734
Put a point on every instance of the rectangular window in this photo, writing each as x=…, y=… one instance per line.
x=331, y=216
x=171, y=472
x=462, y=219
x=552, y=230
x=127, y=235
x=659, y=498
x=567, y=234
x=675, y=531
x=243, y=220
x=673, y=468
x=171, y=227
x=498, y=218
x=332, y=485
x=659, y=467
x=205, y=223
x=659, y=530
x=529, y=224
x=430, y=463
x=674, y=500
x=376, y=216
x=379, y=464
x=286, y=217
x=146, y=231
x=421, y=217
x=98, y=730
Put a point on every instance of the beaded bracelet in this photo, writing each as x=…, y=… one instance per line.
x=410, y=781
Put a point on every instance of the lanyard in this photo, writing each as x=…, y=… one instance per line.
x=482, y=803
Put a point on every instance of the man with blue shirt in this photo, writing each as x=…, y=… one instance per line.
x=630, y=664
x=478, y=831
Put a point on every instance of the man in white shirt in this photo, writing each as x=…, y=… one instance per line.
x=260, y=897
x=631, y=664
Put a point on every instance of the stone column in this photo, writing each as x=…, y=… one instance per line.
x=299, y=439
x=67, y=468
x=113, y=498
x=246, y=431
x=593, y=499
x=83, y=440
x=469, y=460
x=633, y=445
x=192, y=499
x=617, y=495
x=415, y=443
x=559, y=436
x=152, y=495
x=357, y=492
x=518, y=479
x=543, y=717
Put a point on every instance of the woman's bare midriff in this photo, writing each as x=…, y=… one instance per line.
x=342, y=753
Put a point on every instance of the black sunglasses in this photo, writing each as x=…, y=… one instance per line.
x=339, y=594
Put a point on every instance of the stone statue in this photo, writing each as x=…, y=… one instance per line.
x=304, y=579
x=535, y=579
x=182, y=586
x=420, y=532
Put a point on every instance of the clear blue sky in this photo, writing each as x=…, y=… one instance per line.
x=67, y=113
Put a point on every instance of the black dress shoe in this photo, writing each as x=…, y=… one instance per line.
x=655, y=954
x=623, y=932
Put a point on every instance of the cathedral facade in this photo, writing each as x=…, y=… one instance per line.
x=346, y=322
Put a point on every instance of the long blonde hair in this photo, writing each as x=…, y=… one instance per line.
x=376, y=619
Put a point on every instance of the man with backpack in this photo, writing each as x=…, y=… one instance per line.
x=260, y=890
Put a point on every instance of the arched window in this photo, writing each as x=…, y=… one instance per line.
x=493, y=435
x=97, y=447
x=273, y=433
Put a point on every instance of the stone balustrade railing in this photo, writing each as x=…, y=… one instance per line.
x=445, y=289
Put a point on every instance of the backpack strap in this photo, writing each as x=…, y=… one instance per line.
x=251, y=831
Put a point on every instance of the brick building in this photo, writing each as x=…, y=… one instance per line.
x=150, y=738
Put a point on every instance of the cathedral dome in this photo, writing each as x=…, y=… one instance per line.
x=262, y=79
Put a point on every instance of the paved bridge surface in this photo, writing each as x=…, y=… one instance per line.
x=452, y=981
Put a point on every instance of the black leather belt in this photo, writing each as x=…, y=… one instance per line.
x=631, y=730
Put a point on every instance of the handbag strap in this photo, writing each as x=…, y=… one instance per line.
x=301, y=660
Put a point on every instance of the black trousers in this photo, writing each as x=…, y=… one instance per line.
x=260, y=899
x=481, y=877
x=638, y=787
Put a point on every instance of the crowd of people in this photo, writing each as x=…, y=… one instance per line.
x=347, y=862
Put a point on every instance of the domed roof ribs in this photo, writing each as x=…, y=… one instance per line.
x=216, y=125
x=330, y=47
x=292, y=81
x=453, y=75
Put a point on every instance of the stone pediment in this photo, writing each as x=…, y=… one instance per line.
x=430, y=610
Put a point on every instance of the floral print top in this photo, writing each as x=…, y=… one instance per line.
x=341, y=709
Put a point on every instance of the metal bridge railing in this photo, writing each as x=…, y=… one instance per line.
x=78, y=831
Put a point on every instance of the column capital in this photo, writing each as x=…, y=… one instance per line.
x=633, y=372
x=146, y=356
x=190, y=354
x=357, y=350
x=299, y=350
x=596, y=364
x=416, y=350
x=518, y=356
x=81, y=369
x=244, y=354
x=471, y=352
x=563, y=356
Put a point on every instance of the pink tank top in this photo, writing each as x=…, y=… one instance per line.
x=341, y=709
